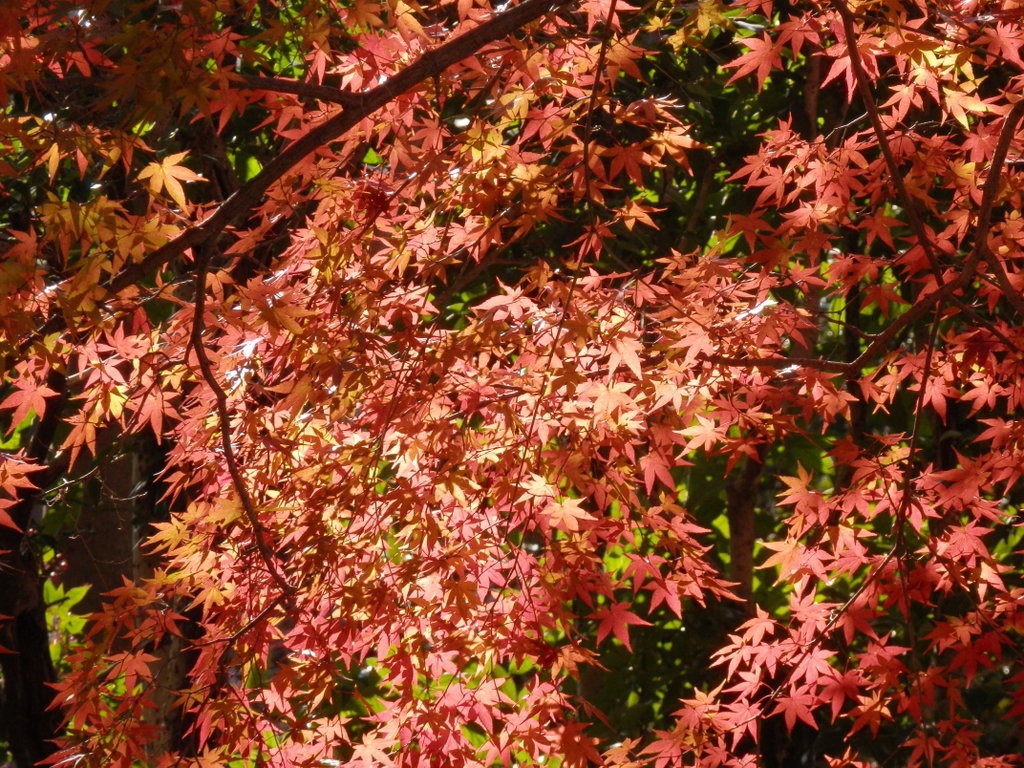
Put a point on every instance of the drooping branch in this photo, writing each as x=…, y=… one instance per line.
x=945, y=292
x=991, y=188
x=248, y=196
x=224, y=419
x=988, y=198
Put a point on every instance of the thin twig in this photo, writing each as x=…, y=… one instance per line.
x=224, y=418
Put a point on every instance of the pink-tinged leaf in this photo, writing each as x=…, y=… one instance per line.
x=756, y=628
x=566, y=515
x=665, y=591
x=704, y=434
x=840, y=688
x=30, y=399
x=624, y=349
x=5, y=519
x=656, y=468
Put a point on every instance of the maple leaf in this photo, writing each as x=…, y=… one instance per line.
x=762, y=55
x=624, y=349
x=797, y=706
x=13, y=482
x=577, y=747
x=756, y=628
x=704, y=434
x=616, y=620
x=838, y=688
x=168, y=175
x=5, y=519
x=567, y=514
x=795, y=559
x=665, y=591
x=656, y=469
x=30, y=399
x=510, y=304
x=635, y=211
x=871, y=711
x=961, y=104
x=604, y=12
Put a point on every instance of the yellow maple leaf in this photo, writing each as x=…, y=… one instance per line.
x=168, y=175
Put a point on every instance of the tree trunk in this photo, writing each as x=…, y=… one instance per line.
x=27, y=723
x=741, y=500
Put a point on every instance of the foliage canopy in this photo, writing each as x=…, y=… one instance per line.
x=551, y=383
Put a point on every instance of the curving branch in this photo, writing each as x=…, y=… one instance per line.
x=248, y=196
x=360, y=106
x=988, y=199
x=946, y=291
x=224, y=419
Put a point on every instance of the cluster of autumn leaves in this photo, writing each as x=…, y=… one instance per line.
x=428, y=384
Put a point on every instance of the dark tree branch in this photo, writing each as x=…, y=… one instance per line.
x=988, y=198
x=299, y=88
x=991, y=188
x=430, y=64
x=945, y=291
x=25, y=665
x=866, y=96
x=224, y=419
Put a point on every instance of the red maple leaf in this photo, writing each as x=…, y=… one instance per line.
x=763, y=53
x=616, y=619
